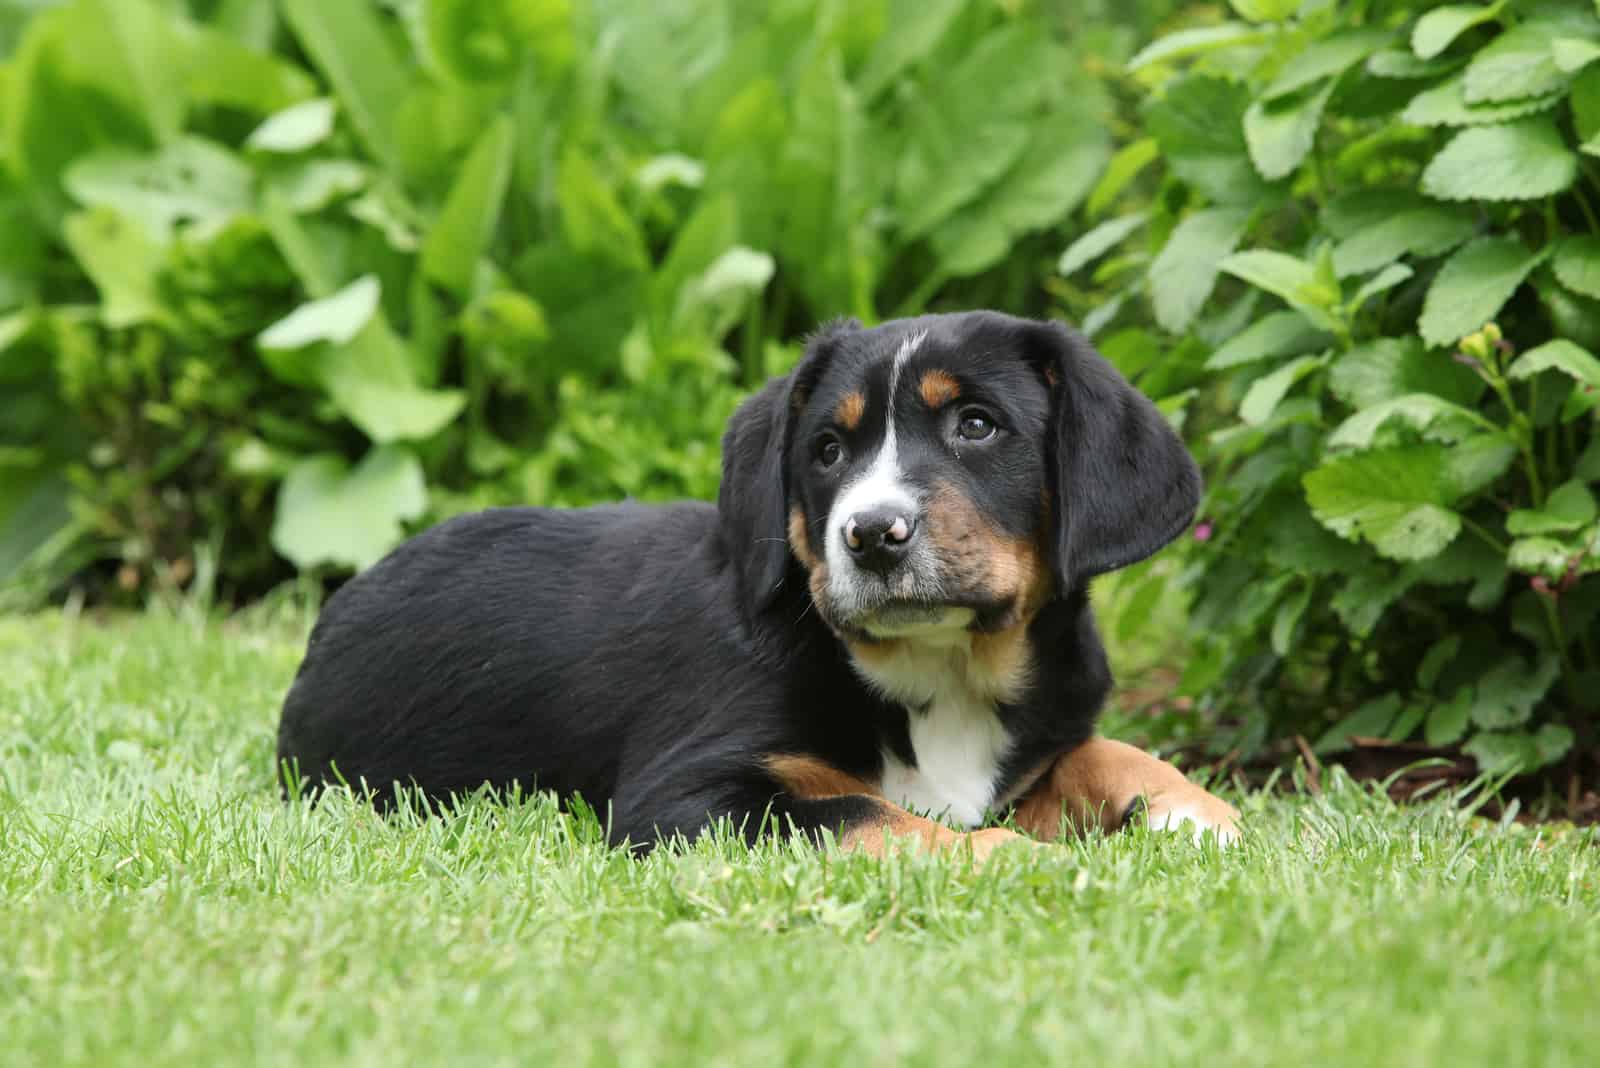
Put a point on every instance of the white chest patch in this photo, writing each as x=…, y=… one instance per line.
x=955, y=729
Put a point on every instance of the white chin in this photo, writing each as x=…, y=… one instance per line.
x=903, y=621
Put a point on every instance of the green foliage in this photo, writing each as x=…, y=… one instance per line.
x=334, y=270
x=1374, y=247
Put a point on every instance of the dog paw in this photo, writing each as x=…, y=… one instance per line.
x=986, y=841
x=1198, y=812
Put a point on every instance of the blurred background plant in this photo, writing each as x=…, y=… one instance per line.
x=284, y=281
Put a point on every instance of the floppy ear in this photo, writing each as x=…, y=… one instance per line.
x=1124, y=484
x=753, y=500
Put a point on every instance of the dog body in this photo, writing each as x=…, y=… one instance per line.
x=886, y=611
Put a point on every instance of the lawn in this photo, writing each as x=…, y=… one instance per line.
x=160, y=906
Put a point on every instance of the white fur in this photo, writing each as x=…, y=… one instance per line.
x=955, y=730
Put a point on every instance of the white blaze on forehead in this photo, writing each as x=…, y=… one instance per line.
x=882, y=484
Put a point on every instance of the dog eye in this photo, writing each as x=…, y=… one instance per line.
x=976, y=425
x=829, y=450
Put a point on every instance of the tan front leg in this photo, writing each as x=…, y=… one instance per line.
x=1097, y=784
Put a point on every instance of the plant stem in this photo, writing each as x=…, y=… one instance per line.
x=1483, y=532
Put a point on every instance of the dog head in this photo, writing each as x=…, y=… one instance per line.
x=948, y=471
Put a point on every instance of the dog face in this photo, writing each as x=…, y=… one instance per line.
x=949, y=471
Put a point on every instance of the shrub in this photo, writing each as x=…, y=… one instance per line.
x=334, y=270
x=1368, y=254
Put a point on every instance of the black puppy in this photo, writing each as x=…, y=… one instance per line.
x=886, y=610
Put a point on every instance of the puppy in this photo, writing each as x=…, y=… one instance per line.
x=880, y=630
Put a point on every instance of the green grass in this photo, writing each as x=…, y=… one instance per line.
x=160, y=906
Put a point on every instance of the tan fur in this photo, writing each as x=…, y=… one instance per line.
x=800, y=539
x=1095, y=784
x=850, y=410
x=939, y=388
x=808, y=778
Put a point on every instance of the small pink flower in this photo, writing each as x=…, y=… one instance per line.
x=1202, y=532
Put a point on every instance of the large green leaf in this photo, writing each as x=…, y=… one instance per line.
x=1519, y=63
x=1518, y=161
x=1563, y=356
x=223, y=70
x=1440, y=419
x=1279, y=134
x=1098, y=241
x=1446, y=105
x=592, y=218
x=1505, y=695
x=1266, y=392
x=33, y=508
x=459, y=238
x=125, y=264
x=1429, y=231
x=373, y=381
x=1394, y=498
x=1280, y=333
x=1577, y=264
x=1326, y=58
x=1055, y=173
x=1570, y=507
x=918, y=26
x=1308, y=288
x=1373, y=372
x=329, y=514
x=1199, y=122
x=1183, y=275
x=351, y=46
x=1472, y=287
x=336, y=319
x=188, y=180
x=1435, y=30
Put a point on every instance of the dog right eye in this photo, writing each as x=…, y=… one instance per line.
x=829, y=450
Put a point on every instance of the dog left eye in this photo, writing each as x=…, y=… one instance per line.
x=976, y=425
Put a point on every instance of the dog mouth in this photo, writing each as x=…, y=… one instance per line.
x=906, y=619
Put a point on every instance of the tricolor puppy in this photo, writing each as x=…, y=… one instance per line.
x=882, y=628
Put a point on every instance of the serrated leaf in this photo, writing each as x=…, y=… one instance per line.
x=1577, y=265
x=1448, y=720
x=294, y=129
x=1279, y=135
x=1098, y=241
x=329, y=514
x=1446, y=105
x=336, y=319
x=1572, y=54
x=1403, y=65
x=1569, y=507
x=1324, y=59
x=1394, y=498
x=1561, y=355
x=1183, y=275
x=1472, y=286
x=1539, y=555
x=1477, y=462
x=1393, y=275
x=1519, y=161
x=1420, y=411
x=1517, y=64
x=1429, y=231
x=1280, y=333
x=1199, y=123
x=1502, y=752
x=1197, y=40
x=1266, y=392
x=1125, y=165
x=1553, y=741
x=1295, y=280
x=1435, y=30
x=1505, y=695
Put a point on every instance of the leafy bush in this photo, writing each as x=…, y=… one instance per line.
x=284, y=280
x=1368, y=241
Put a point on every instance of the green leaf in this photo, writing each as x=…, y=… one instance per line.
x=349, y=45
x=1265, y=10
x=1199, y=123
x=1265, y=393
x=1287, y=619
x=1569, y=507
x=1448, y=720
x=1552, y=742
x=372, y=380
x=1585, y=99
x=1520, y=161
x=1561, y=355
x=336, y=319
x=1053, y=176
x=1477, y=462
x=1098, y=241
x=919, y=24
x=1401, y=64
x=710, y=304
x=1435, y=30
x=221, y=70
x=486, y=41
x=1393, y=275
x=1367, y=594
x=1588, y=466
x=1438, y=657
x=1503, y=752
x=1183, y=275
x=1280, y=333
x=1324, y=59
x=1572, y=54
x=295, y=129
x=124, y=264
x=308, y=186
x=1124, y=167
x=189, y=180
x=1506, y=694
x=1299, y=283
x=1429, y=231
x=1539, y=555
x=1279, y=135
x=1446, y=105
x=592, y=218
x=1472, y=286
x=1517, y=64
x=1420, y=411
x=34, y=507
x=459, y=238
x=328, y=514
x=1577, y=264
x=1371, y=720
x=1197, y=40
x=1394, y=498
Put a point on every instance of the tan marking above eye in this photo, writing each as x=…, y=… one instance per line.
x=939, y=388
x=850, y=410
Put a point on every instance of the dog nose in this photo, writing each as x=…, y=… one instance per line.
x=879, y=538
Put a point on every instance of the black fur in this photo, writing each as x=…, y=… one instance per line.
x=650, y=658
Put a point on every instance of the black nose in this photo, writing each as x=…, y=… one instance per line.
x=879, y=538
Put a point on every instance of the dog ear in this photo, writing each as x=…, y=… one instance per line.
x=1124, y=484
x=753, y=500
